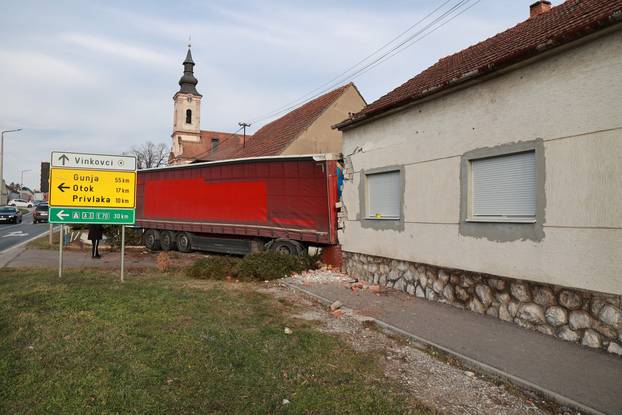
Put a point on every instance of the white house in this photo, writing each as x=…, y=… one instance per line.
x=493, y=179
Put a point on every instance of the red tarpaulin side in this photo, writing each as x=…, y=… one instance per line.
x=280, y=194
x=235, y=201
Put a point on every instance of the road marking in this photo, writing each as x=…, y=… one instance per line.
x=15, y=233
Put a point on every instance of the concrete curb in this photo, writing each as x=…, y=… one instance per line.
x=561, y=399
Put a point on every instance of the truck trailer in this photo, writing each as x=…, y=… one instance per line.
x=282, y=203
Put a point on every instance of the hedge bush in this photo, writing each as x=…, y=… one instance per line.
x=268, y=265
x=215, y=267
x=259, y=266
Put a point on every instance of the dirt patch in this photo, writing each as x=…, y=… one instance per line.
x=434, y=378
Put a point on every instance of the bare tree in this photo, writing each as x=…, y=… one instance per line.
x=150, y=155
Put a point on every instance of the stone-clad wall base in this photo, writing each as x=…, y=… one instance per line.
x=589, y=318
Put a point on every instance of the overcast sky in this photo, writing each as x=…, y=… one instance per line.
x=100, y=76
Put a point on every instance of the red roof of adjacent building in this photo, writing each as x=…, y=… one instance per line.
x=560, y=25
x=227, y=142
x=273, y=138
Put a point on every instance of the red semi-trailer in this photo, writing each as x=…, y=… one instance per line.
x=283, y=203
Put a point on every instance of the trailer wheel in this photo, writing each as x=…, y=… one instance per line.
x=183, y=242
x=167, y=241
x=287, y=247
x=151, y=240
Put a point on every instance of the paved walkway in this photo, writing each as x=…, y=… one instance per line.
x=48, y=258
x=587, y=379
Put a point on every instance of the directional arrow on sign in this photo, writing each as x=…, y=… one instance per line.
x=62, y=187
x=61, y=215
x=64, y=158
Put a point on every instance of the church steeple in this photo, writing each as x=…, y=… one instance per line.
x=187, y=109
x=188, y=82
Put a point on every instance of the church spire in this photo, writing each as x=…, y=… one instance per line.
x=188, y=82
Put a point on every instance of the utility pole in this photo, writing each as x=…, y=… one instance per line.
x=2, y=200
x=244, y=125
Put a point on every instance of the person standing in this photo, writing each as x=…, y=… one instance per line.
x=95, y=235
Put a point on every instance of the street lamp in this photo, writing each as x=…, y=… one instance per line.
x=2, y=195
x=22, y=181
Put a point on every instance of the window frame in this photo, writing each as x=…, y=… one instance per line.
x=471, y=217
x=367, y=200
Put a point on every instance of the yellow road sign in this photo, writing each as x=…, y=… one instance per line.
x=92, y=188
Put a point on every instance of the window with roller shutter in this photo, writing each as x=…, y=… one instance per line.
x=384, y=199
x=503, y=188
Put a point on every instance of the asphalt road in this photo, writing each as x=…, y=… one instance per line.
x=14, y=234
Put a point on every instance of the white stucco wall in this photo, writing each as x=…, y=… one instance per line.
x=573, y=102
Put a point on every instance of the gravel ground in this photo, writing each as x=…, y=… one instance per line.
x=436, y=380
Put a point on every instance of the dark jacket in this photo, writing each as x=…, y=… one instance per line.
x=95, y=232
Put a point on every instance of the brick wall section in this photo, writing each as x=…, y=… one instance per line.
x=589, y=318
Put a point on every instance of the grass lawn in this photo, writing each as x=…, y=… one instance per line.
x=88, y=344
x=44, y=242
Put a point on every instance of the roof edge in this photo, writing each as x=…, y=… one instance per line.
x=605, y=25
x=313, y=156
x=343, y=88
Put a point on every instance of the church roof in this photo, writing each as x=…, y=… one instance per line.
x=188, y=82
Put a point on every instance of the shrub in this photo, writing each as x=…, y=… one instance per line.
x=269, y=265
x=259, y=266
x=163, y=261
x=133, y=236
x=215, y=267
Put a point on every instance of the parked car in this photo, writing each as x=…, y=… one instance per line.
x=10, y=214
x=40, y=202
x=20, y=203
x=40, y=214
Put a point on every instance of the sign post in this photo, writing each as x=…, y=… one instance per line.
x=92, y=189
x=122, y=250
x=60, y=252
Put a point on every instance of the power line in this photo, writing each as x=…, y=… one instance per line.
x=365, y=58
x=215, y=148
x=419, y=39
x=388, y=54
x=440, y=21
x=395, y=48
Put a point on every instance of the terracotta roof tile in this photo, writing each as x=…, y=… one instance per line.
x=562, y=24
x=201, y=150
x=273, y=138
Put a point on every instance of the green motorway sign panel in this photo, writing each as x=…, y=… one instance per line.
x=92, y=215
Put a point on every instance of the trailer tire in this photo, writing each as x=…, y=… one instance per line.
x=184, y=243
x=286, y=246
x=167, y=241
x=151, y=239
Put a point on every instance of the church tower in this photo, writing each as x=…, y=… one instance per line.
x=187, y=111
